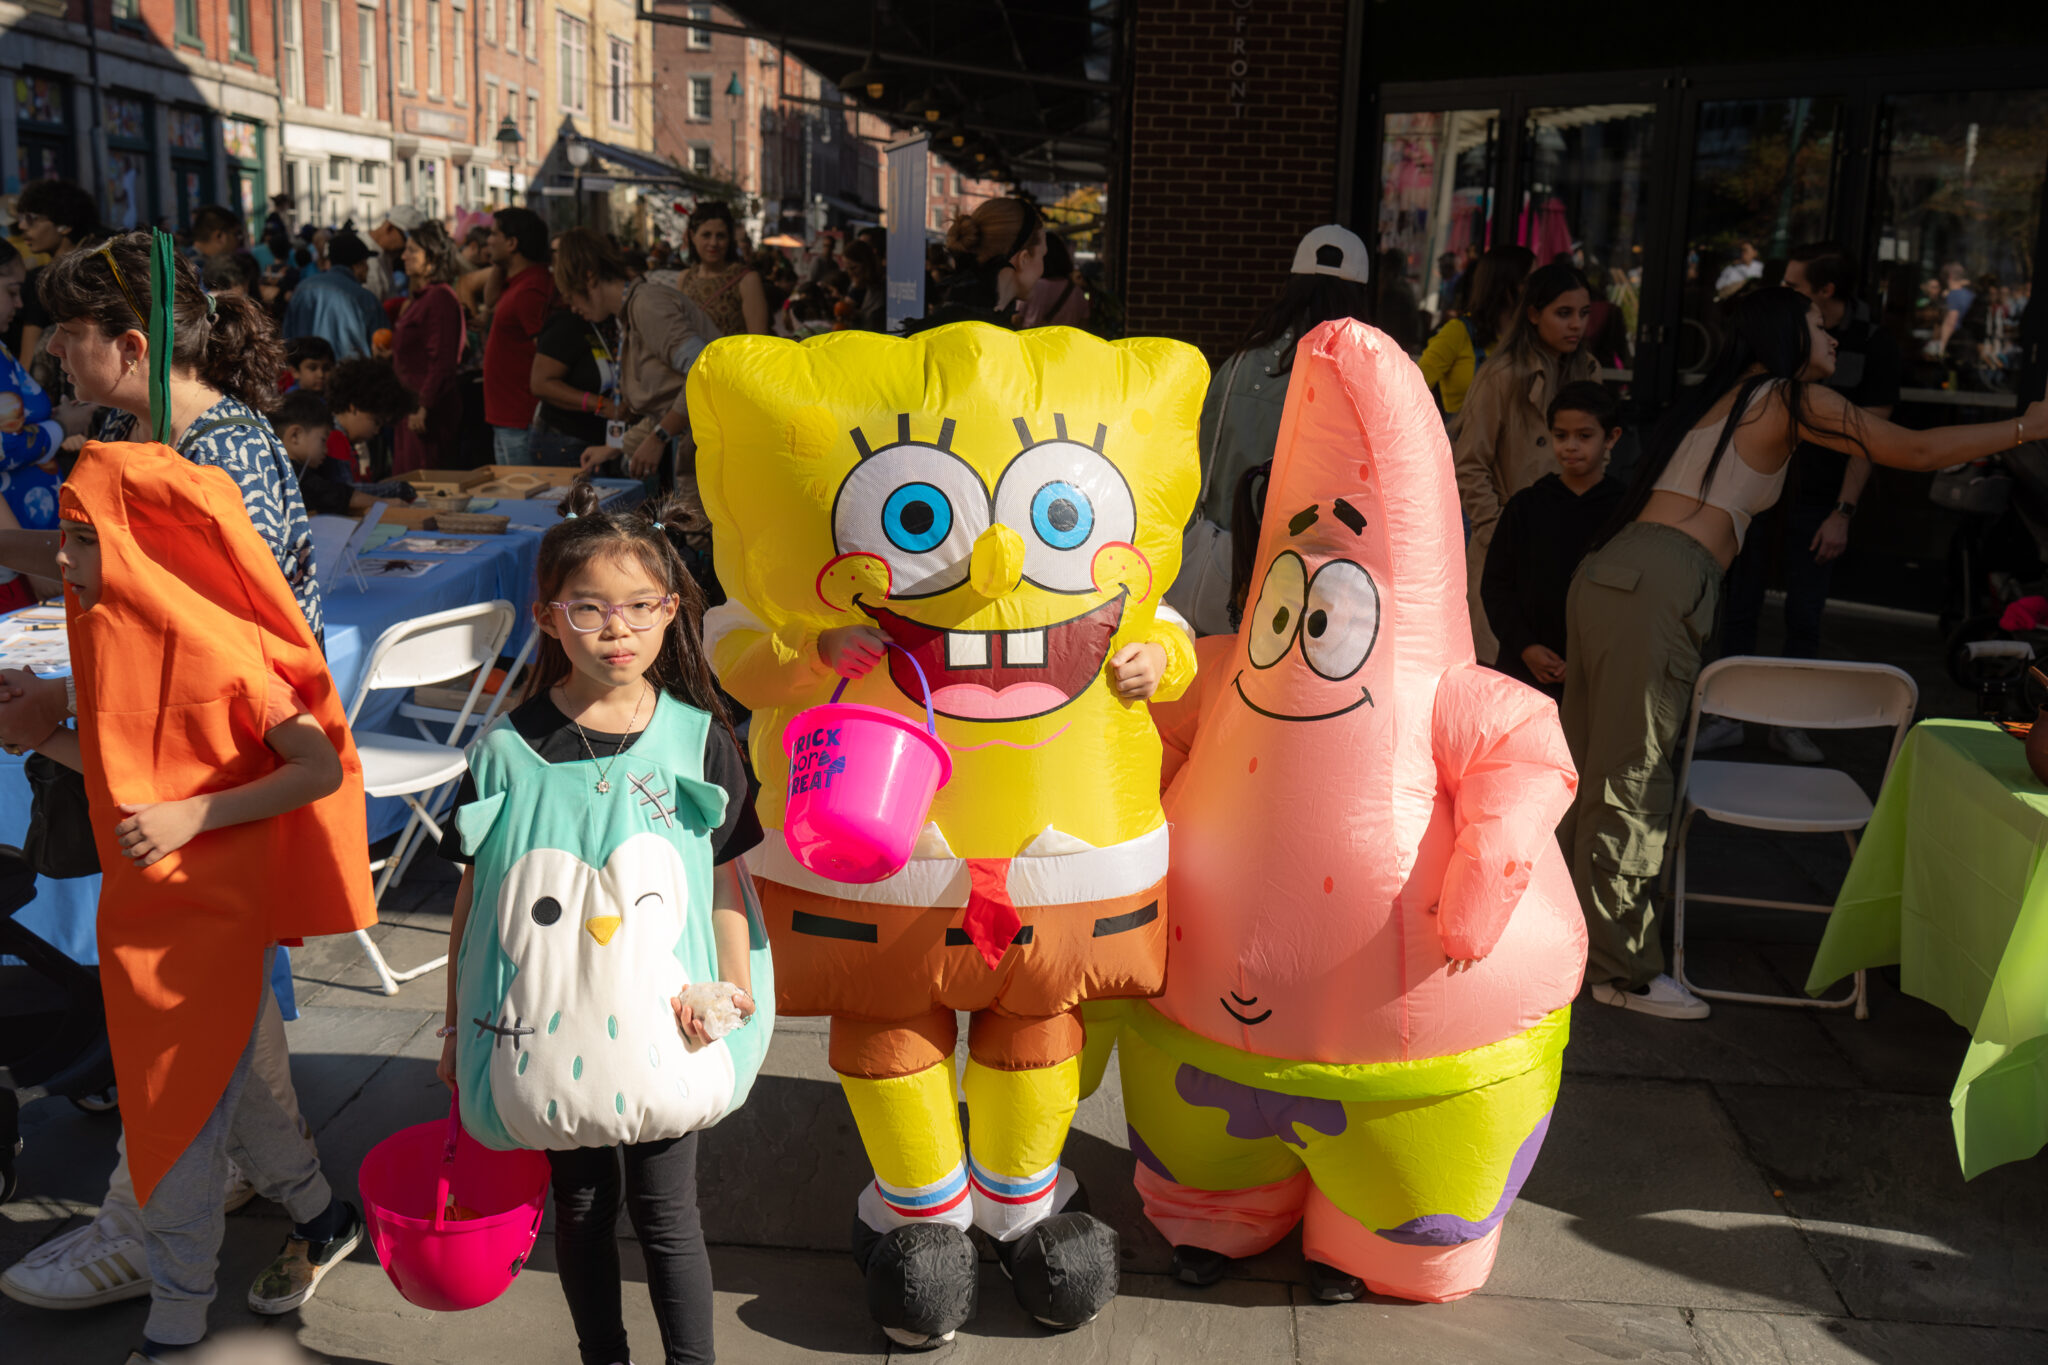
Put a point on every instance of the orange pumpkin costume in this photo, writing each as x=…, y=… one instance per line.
x=174, y=667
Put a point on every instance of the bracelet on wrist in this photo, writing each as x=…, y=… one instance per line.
x=445, y=1031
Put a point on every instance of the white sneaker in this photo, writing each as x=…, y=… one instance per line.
x=1663, y=997
x=1718, y=732
x=99, y=1263
x=1796, y=745
x=241, y=1189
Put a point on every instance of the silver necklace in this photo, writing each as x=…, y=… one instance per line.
x=604, y=774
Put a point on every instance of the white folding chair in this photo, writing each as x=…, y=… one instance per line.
x=429, y=649
x=1808, y=694
x=424, y=714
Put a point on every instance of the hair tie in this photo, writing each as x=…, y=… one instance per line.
x=212, y=305
x=658, y=526
x=568, y=516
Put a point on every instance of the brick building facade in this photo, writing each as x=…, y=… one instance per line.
x=1234, y=154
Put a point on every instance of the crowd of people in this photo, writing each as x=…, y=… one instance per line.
x=319, y=370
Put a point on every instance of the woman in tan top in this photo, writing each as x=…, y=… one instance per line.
x=1503, y=442
x=1643, y=601
x=726, y=288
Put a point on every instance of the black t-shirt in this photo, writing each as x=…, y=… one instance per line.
x=583, y=348
x=1867, y=370
x=550, y=734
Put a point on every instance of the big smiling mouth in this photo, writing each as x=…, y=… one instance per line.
x=1003, y=674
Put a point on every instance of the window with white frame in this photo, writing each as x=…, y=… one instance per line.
x=700, y=99
x=512, y=25
x=366, y=174
x=700, y=158
x=699, y=39
x=529, y=20
x=366, y=61
x=337, y=170
x=458, y=57
x=405, y=68
x=572, y=61
x=619, y=82
x=938, y=218
x=293, y=42
x=330, y=54
x=491, y=110
x=533, y=124
x=487, y=23
x=433, y=47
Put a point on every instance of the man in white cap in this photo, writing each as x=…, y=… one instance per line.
x=1241, y=415
x=389, y=235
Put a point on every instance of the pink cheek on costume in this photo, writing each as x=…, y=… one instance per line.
x=1329, y=885
x=1176, y=933
x=1254, y=766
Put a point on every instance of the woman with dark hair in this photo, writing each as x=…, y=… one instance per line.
x=869, y=287
x=1643, y=601
x=997, y=256
x=54, y=218
x=426, y=348
x=1060, y=298
x=1485, y=298
x=1503, y=441
x=717, y=280
x=31, y=430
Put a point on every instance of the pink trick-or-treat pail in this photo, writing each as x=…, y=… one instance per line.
x=861, y=782
x=412, y=1180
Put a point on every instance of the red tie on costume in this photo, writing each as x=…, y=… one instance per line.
x=991, y=921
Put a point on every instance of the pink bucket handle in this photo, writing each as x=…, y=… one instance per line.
x=443, y=1176
x=931, y=725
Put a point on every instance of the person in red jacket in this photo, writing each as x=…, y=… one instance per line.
x=518, y=245
x=426, y=349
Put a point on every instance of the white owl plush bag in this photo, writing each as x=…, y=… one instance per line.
x=591, y=911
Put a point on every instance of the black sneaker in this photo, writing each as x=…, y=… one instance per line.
x=1199, y=1266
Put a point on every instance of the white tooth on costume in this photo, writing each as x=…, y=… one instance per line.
x=965, y=649
x=1024, y=649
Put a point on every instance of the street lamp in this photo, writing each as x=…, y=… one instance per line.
x=578, y=153
x=735, y=91
x=509, y=140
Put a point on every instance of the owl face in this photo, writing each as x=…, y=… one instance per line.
x=585, y=1048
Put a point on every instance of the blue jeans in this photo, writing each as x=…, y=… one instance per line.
x=1806, y=582
x=509, y=445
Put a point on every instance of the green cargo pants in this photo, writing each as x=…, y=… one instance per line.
x=1637, y=621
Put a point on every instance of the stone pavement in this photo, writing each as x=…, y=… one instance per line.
x=1768, y=1186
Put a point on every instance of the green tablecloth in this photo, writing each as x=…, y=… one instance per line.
x=1949, y=883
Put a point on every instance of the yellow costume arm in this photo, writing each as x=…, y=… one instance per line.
x=1171, y=633
x=762, y=668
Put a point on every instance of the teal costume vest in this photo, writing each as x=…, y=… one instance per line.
x=591, y=910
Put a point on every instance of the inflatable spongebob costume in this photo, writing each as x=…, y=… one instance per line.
x=1007, y=508
x=1375, y=941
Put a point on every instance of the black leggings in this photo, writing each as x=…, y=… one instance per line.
x=661, y=1199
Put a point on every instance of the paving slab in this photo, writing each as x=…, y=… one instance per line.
x=1494, y=1328
x=1874, y=1183
x=1779, y=1339
x=1643, y=1194
x=1153, y=1321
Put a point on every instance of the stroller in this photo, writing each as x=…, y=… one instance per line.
x=60, y=1051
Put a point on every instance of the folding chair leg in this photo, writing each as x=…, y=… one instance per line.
x=385, y=980
x=1678, y=904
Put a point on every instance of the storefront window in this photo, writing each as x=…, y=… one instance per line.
x=1585, y=201
x=1762, y=183
x=191, y=162
x=1436, y=191
x=248, y=189
x=129, y=196
x=43, y=137
x=1958, y=213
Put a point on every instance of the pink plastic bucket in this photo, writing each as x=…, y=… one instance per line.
x=861, y=782
x=447, y=1265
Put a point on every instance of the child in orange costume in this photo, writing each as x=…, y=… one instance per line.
x=217, y=763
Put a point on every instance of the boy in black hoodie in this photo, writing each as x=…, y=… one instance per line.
x=1543, y=533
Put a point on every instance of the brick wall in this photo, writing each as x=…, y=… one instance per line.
x=1233, y=156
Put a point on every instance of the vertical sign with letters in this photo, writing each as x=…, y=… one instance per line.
x=909, y=164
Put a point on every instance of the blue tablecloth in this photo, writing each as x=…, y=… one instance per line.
x=501, y=567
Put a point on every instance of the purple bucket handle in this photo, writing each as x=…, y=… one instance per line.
x=443, y=1176
x=931, y=725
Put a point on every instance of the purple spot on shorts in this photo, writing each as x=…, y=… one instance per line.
x=1256, y=1113
x=1143, y=1151
x=1448, y=1229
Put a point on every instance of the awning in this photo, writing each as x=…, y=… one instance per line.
x=853, y=209
x=1031, y=84
x=611, y=165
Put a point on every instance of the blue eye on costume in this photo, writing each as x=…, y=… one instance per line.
x=916, y=518
x=1062, y=515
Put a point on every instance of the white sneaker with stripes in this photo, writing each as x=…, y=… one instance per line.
x=99, y=1263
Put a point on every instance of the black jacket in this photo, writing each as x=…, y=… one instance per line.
x=1542, y=534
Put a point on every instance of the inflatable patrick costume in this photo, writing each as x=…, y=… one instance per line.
x=1374, y=941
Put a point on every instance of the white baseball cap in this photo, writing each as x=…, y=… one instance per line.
x=1353, y=260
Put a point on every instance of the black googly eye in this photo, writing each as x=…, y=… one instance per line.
x=1317, y=623
x=546, y=911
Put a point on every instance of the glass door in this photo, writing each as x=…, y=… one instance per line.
x=1587, y=185
x=1762, y=180
x=1437, y=174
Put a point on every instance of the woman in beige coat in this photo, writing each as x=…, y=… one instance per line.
x=1503, y=442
